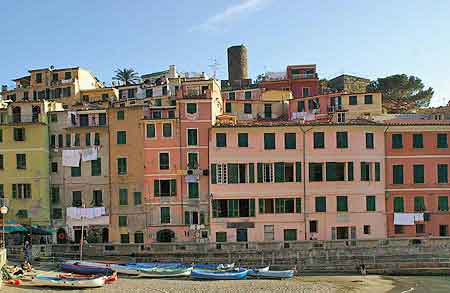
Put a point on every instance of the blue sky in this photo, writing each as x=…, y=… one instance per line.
x=356, y=37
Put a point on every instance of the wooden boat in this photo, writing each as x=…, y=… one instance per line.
x=109, y=279
x=85, y=269
x=214, y=267
x=238, y=274
x=158, y=272
x=55, y=281
x=266, y=273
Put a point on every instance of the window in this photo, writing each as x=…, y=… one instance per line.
x=221, y=140
x=52, y=141
x=165, y=215
x=219, y=174
x=125, y=238
x=21, y=161
x=319, y=140
x=397, y=141
x=96, y=167
x=365, y=171
x=341, y=140
x=75, y=171
x=68, y=140
x=221, y=236
x=285, y=205
x=284, y=172
x=268, y=111
x=335, y=171
x=419, y=174
x=237, y=173
x=305, y=91
x=443, y=203
x=67, y=75
x=368, y=99
x=353, y=100
x=369, y=141
x=19, y=134
x=443, y=230
x=121, y=137
x=442, y=170
x=21, y=191
x=1, y=135
x=151, y=130
x=315, y=172
x=193, y=190
x=156, y=114
x=265, y=172
x=166, y=187
x=366, y=229
x=137, y=198
x=269, y=141
x=76, y=199
x=120, y=115
x=171, y=113
x=313, y=226
x=371, y=203
x=243, y=140
x=164, y=161
x=397, y=173
x=149, y=93
x=350, y=175
x=377, y=171
x=441, y=141
x=157, y=102
x=38, y=77
x=56, y=213
x=60, y=141
x=102, y=119
x=417, y=141
x=290, y=141
x=53, y=118
x=269, y=234
x=192, y=136
x=123, y=196
x=231, y=208
x=248, y=108
x=398, y=205
x=54, y=167
x=398, y=229
x=123, y=221
x=341, y=204
x=228, y=108
x=66, y=92
x=290, y=234
x=248, y=95
x=191, y=108
x=321, y=204
x=419, y=204
x=138, y=237
x=231, y=95
x=301, y=106
x=77, y=140
x=122, y=166
x=167, y=129
x=420, y=228
x=54, y=194
x=97, y=198
x=266, y=206
x=192, y=160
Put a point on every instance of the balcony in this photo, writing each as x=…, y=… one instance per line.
x=61, y=82
x=304, y=76
x=17, y=119
x=335, y=108
x=85, y=120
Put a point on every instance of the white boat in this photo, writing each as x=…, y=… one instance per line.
x=165, y=272
x=266, y=273
x=55, y=281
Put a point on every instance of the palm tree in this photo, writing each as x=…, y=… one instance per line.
x=126, y=76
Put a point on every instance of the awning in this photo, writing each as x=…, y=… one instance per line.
x=12, y=227
x=40, y=231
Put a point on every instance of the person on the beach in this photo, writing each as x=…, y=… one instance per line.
x=27, y=251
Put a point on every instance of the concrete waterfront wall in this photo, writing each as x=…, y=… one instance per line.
x=390, y=256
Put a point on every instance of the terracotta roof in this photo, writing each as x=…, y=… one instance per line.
x=268, y=123
x=406, y=122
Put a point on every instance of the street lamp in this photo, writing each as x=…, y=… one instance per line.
x=3, y=211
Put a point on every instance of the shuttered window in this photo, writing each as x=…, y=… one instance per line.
x=121, y=137
x=221, y=140
x=251, y=173
x=417, y=140
x=123, y=221
x=419, y=204
x=341, y=140
x=377, y=171
x=243, y=140
x=315, y=172
x=269, y=141
x=398, y=205
x=350, y=174
x=441, y=141
x=122, y=166
x=165, y=215
x=193, y=190
x=319, y=140
x=442, y=170
x=192, y=136
x=341, y=204
x=151, y=130
x=371, y=203
x=96, y=167
x=419, y=174
x=397, y=173
x=369, y=141
x=397, y=141
x=167, y=130
x=321, y=204
x=298, y=172
x=290, y=141
x=443, y=203
x=123, y=196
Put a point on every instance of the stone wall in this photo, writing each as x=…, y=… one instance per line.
x=349, y=84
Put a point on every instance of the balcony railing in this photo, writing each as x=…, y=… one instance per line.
x=304, y=76
x=90, y=123
x=335, y=108
x=17, y=118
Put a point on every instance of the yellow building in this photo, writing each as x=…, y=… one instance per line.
x=24, y=160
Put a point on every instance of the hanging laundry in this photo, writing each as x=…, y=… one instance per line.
x=88, y=213
x=71, y=158
x=404, y=219
x=89, y=154
x=418, y=217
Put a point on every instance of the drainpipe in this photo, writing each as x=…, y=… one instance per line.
x=109, y=112
x=304, y=177
x=385, y=177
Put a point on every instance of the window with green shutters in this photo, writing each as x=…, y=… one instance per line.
x=269, y=141
x=377, y=171
x=251, y=173
x=151, y=132
x=398, y=205
x=221, y=140
x=138, y=237
x=221, y=236
x=443, y=203
x=290, y=234
x=290, y=141
x=353, y=100
x=192, y=136
x=442, y=170
x=397, y=174
x=96, y=167
x=21, y=161
x=123, y=221
x=248, y=95
x=191, y=108
x=285, y=205
x=75, y=171
x=97, y=138
x=87, y=139
x=248, y=108
x=192, y=160
x=122, y=166
x=418, y=174
x=315, y=172
x=371, y=203
x=335, y=171
x=419, y=204
x=76, y=199
x=167, y=129
x=341, y=140
x=298, y=172
x=441, y=141
x=231, y=208
x=298, y=205
x=164, y=161
x=341, y=204
x=123, y=196
x=321, y=204
x=365, y=171
x=350, y=174
x=397, y=141
x=368, y=99
x=166, y=187
x=417, y=141
x=369, y=141
x=301, y=106
x=243, y=140
x=319, y=140
x=228, y=108
x=125, y=238
x=231, y=96
x=233, y=173
x=279, y=172
x=193, y=190
x=121, y=137
x=54, y=193
x=120, y=115
x=1, y=135
x=77, y=140
x=137, y=198
x=68, y=140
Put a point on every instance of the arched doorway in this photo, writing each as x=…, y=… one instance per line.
x=165, y=235
x=16, y=116
x=36, y=112
x=105, y=235
x=61, y=236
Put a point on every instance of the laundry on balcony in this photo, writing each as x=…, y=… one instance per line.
x=89, y=154
x=71, y=158
x=405, y=219
x=89, y=213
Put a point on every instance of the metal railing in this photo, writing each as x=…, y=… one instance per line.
x=17, y=118
x=304, y=76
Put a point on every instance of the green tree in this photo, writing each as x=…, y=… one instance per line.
x=402, y=93
x=126, y=76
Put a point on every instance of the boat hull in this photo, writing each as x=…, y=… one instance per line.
x=85, y=269
x=267, y=274
x=46, y=281
x=165, y=273
x=219, y=275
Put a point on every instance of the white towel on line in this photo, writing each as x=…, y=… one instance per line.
x=71, y=158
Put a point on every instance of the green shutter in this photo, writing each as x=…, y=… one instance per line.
x=350, y=176
x=88, y=139
x=442, y=173
x=279, y=205
x=377, y=171
x=419, y=204
x=221, y=140
x=298, y=205
x=319, y=140
x=187, y=218
x=321, y=204
x=418, y=173
x=397, y=171
x=342, y=205
x=298, y=171
x=233, y=173
x=261, y=205
x=279, y=172
x=221, y=236
x=397, y=141
x=173, y=187
x=151, y=130
x=156, y=187
x=233, y=208
x=398, y=205
x=269, y=141
x=290, y=141
x=252, y=208
x=214, y=208
x=417, y=141
x=193, y=190
x=213, y=173
x=243, y=140
x=259, y=167
x=442, y=141
x=121, y=137
x=371, y=203
x=341, y=140
x=443, y=203
x=251, y=173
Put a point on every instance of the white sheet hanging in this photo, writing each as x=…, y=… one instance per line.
x=89, y=213
x=89, y=154
x=71, y=158
x=404, y=219
x=418, y=217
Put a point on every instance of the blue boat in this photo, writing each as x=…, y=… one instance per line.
x=85, y=269
x=266, y=273
x=238, y=274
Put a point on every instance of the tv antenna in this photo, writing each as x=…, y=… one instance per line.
x=214, y=66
